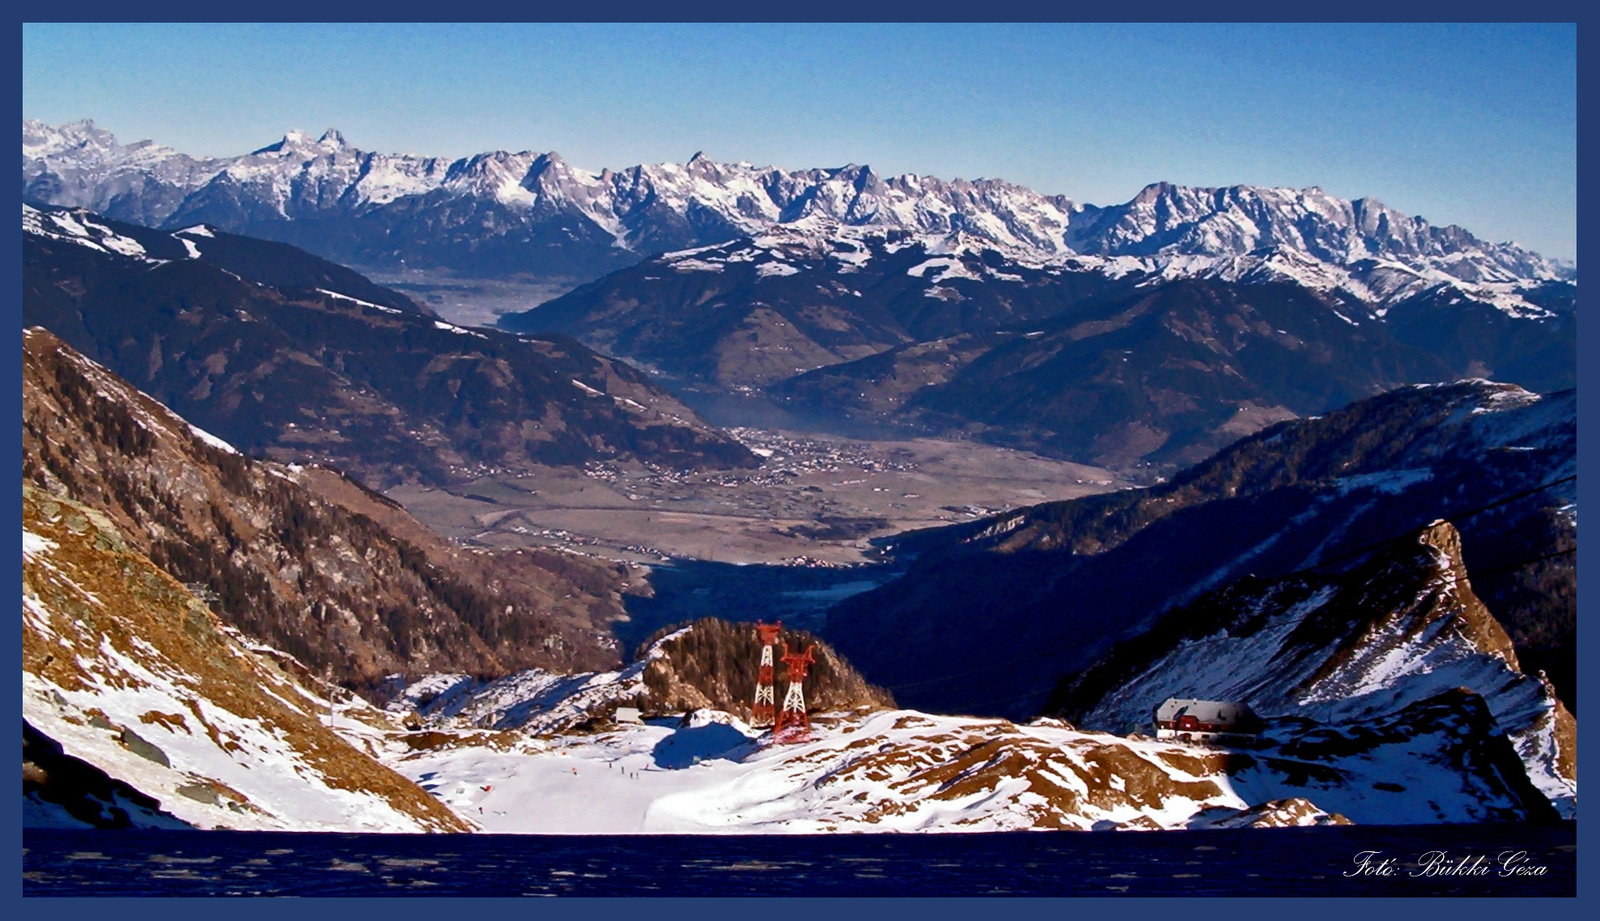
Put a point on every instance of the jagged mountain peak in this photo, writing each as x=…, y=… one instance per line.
x=1153, y=192
x=1389, y=634
x=649, y=209
x=300, y=142
x=332, y=138
x=80, y=138
x=292, y=138
x=79, y=128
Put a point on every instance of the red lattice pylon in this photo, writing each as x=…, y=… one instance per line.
x=762, y=711
x=793, y=723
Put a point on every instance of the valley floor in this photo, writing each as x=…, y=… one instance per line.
x=817, y=499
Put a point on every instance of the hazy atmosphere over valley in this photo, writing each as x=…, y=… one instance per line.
x=841, y=445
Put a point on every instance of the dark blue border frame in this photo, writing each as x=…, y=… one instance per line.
x=726, y=11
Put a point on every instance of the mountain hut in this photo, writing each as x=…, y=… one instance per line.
x=1191, y=720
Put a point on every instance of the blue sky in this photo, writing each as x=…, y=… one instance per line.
x=1474, y=125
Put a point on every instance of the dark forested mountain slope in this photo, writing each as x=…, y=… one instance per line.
x=1118, y=362
x=302, y=374
x=299, y=558
x=992, y=612
x=265, y=262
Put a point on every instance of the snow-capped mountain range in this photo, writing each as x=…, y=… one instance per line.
x=533, y=213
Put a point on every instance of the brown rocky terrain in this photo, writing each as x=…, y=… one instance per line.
x=160, y=706
x=1439, y=760
x=1400, y=643
x=304, y=559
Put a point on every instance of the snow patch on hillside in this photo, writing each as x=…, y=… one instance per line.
x=211, y=439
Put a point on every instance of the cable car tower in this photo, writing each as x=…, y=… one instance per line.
x=762, y=711
x=793, y=723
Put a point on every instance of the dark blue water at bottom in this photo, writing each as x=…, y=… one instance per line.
x=1290, y=861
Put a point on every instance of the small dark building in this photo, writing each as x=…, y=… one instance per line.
x=1190, y=720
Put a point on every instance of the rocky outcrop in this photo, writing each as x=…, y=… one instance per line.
x=60, y=791
x=349, y=584
x=1295, y=811
x=712, y=663
x=139, y=699
x=1401, y=645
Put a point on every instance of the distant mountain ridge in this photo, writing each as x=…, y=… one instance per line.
x=1114, y=361
x=504, y=212
x=261, y=261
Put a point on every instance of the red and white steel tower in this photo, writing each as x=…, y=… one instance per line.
x=762, y=711
x=793, y=723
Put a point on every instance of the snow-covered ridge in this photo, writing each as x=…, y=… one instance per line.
x=869, y=770
x=1366, y=287
x=885, y=771
x=534, y=701
x=211, y=439
x=79, y=227
x=152, y=416
x=128, y=671
x=491, y=750
x=1297, y=233
x=1421, y=632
